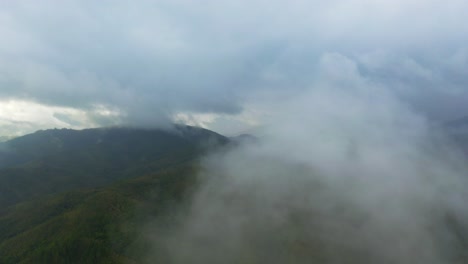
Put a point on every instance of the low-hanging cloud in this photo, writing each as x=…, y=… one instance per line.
x=154, y=59
x=344, y=173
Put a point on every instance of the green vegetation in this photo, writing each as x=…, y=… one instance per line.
x=79, y=196
x=89, y=226
x=55, y=161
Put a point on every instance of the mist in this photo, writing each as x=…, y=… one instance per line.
x=346, y=172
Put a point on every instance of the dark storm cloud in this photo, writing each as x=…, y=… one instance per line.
x=151, y=59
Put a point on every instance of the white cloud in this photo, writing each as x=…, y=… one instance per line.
x=21, y=117
x=344, y=173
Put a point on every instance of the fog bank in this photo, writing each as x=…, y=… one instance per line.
x=344, y=173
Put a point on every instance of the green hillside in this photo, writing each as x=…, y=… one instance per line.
x=89, y=226
x=54, y=161
x=87, y=196
x=69, y=196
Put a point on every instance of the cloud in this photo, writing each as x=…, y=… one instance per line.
x=152, y=60
x=21, y=117
x=345, y=172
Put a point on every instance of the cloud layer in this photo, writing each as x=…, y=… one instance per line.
x=152, y=60
x=359, y=178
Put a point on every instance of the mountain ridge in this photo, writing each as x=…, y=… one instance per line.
x=79, y=196
x=57, y=160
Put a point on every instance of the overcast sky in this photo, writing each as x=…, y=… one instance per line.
x=216, y=63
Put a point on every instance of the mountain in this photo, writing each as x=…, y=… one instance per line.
x=86, y=196
x=91, y=225
x=104, y=141
x=76, y=196
x=53, y=161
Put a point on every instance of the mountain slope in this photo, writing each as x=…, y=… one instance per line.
x=70, y=196
x=55, y=161
x=89, y=226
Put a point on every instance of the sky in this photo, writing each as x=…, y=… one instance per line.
x=223, y=65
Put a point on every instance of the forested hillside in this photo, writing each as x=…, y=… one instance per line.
x=71, y=196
